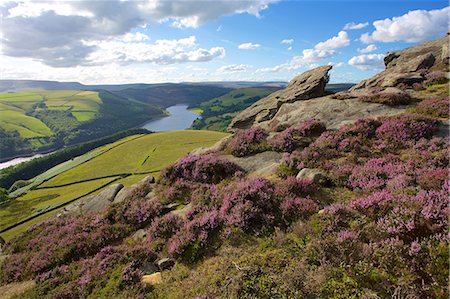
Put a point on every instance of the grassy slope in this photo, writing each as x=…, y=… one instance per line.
x=124, y=156
x=82, y=104
x=218, y=113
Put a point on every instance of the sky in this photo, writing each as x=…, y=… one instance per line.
x=113, y=42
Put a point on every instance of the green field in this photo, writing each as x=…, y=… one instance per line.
x=218, y=113
x=136, y=156
x=15, y=109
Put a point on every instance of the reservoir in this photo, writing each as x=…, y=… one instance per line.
x=180, y=118
x=18, y=161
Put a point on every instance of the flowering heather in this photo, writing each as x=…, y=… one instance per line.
x=247, y=142
x=397, y=130
x=165, y=226
x=207, y=168
x=293, y=187
x=295, y=208
x=432, y=178
x=376, y=173
x=249, y=204
x=293, y=137
x=61, y=241
x=437, y=106
x=178, y=191
x=191, y=241
x=436, y=77
x=137, y=212
x=387, y=98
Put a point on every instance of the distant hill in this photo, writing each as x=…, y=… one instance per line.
x=12, y=85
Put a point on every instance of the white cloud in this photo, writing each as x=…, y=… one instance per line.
x=368, y=49
x=135, y=37
x=67, y=33
x=368, y=62
x=322, y=50
x=161, y=52
x=313, y=55
x=289, y=49
x=415, y=26
x=355, y=26
x=336, y=65
x=287, y=41
x=249, y=46
x=339, y=41
x=233, y=68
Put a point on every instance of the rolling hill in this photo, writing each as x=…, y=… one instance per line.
x=126, y=161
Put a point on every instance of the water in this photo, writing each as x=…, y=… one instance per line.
x=180, y=118
x=19, y=160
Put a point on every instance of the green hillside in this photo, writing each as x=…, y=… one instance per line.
x=218, y=112
x=126, y=161
x=46, y=119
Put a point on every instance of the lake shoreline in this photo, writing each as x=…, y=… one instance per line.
x=29, y=157
x=179, y=117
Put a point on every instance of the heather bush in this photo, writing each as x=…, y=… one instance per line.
x=430, y=153
x=342, y=96
x=291, y=187
x=178, y=191
x=207, y=168
x=294, y=137
x=247, y=142
x=295, y=208
x=61, y=241
x=197, y=235
x=137, y=212
x=165, y=227
x=396, y=131
x=387, y=98
x=432, y=178
x=436, y=77
x=249, y=204
x=437, y=106
x=376, y=173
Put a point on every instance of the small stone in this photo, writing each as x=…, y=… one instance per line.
x=152, y=279
x=316, y=175
x=139, y=236
x=165, y=263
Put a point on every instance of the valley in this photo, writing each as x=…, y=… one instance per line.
x=221, y=151
x=126, y=161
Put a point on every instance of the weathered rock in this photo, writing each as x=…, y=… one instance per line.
x=391, y=56
x=152, y=279
x=267, y=171
x=2, y=244
x=333, y=112
x=310, y=84
x=139, y=236
x=182, y=212
x=407, y=65
x=148, y=268
x=129, y=191
x=165, y=264
x=445, y=53
x=256, y=162
x=316, y=175
x=218, y=146
x=95, y=203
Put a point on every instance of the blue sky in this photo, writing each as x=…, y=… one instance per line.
x=167, y=41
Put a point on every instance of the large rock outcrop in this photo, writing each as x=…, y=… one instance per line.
x=408, y=66
x=333, y=112
x=305, y=98
x=310, y=84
